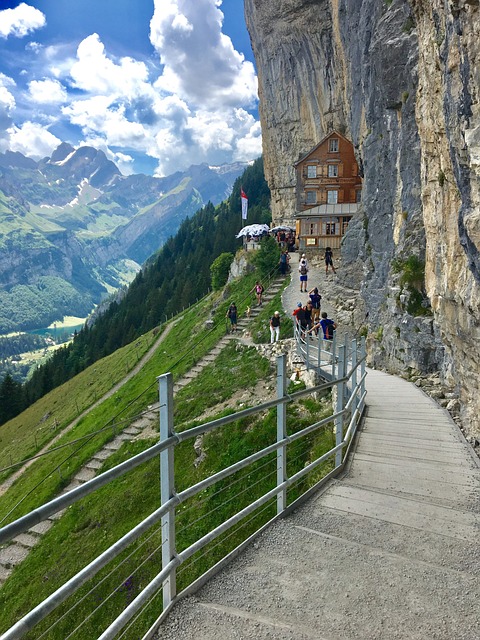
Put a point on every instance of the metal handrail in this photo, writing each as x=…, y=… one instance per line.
x=171, y=559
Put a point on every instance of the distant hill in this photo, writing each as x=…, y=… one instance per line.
x=172, y=279
x=73, y=228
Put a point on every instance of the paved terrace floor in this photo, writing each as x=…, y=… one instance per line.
x=389, y=550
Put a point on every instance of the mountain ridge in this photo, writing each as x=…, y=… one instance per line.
x=75, y=217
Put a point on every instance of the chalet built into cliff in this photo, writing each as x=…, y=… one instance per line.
x=329, y=191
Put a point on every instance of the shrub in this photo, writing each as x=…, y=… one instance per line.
x=219, y=270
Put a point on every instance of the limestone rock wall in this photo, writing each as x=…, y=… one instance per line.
x=400, y=79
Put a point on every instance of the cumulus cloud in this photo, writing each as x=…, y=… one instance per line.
x=191, y=108
x=95, y=73
x=200, y=62
x=20, y=21
x=47, y=91
x=32, y=139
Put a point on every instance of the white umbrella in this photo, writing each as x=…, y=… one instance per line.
x=281, y=228
x=253, y=230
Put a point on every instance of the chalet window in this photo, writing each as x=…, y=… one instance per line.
x=333, y=145
x=345, y=225
x=333, y=170
x=358, y=195
x=311, y=197
x=330, y=228
x=311, y=171
x=312, y=230
x=332, y=197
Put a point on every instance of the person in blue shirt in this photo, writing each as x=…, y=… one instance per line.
x=315, y=297
x=328, y=326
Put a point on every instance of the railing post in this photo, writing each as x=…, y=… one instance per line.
x=307, y=350
x=339, y=420
x=354, y=376
x=167, y=480
x=281, y=432
x=363, y=355
x=319, y=348
x=333, y=348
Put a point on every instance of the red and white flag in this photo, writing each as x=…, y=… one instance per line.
x=244, y=204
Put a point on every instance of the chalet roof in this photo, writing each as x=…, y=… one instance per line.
x=335, y=133
x=344, y=209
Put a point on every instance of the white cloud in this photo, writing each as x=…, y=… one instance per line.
x=20, y=21
x=195, y=110
x=47, y=91
x=95, y=73
x=200, y=62
x=33, y=140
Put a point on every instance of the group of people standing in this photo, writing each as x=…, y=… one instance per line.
x=308, y=316
x=310, y=319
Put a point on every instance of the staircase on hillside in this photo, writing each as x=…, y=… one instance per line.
x=17, y=550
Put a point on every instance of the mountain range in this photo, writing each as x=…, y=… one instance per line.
x=74, y=229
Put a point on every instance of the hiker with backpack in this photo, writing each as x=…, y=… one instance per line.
x=328, y=326
x=303, y=271
x=315, y=298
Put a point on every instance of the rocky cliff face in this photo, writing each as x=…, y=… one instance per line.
x=400, y=78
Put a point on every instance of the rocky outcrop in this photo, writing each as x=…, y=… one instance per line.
x=400, y=79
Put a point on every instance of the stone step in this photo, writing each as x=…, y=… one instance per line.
x=26, y=540
x=58, y=515
x=103, y=454
x=12, y=555
x=124, y=437
x=131, y=430
x=85, y=474
x=93, y=464
x=41, y=528
x=74, y=484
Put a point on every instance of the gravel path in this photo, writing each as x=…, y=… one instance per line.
x=340, y=303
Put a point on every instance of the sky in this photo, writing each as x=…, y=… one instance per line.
x=158, y=85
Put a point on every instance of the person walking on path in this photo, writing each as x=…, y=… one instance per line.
x=329, y=260
x=275, y=327
x=303, y=271
x=258, y=290
x=315, y=298
x=300, y=319
x=232, y=315
x=283, y=262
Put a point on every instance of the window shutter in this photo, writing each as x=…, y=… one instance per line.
x=340, y=170
x=341, y=195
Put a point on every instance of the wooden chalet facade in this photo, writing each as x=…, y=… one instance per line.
x=329, y=190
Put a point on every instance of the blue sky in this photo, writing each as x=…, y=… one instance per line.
x=157, y=84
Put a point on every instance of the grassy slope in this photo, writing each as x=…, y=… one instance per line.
x=90, y=526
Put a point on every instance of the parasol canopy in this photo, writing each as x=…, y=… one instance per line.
x=282, y=228
x=253, y=230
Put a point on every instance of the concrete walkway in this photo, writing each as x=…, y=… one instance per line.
x=390, y=550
